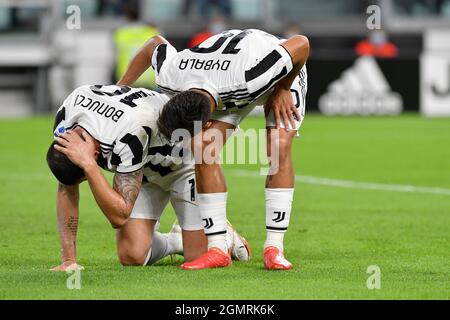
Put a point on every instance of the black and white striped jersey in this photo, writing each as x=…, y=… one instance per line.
x=236, y=67
x=121, y=118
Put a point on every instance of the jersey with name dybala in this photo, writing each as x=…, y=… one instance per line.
x=237, y=67
x=120, y=118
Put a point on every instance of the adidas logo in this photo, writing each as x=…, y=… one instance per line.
x=362, y=89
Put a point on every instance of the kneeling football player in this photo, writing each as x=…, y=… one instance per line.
x=114, y=128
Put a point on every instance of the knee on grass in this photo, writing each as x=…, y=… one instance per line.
x=129, y=256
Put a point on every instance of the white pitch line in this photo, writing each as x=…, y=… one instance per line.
x=299, y=179
x=353, y=184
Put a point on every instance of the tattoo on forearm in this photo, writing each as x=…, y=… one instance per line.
x=72, y=225
x=128, y=185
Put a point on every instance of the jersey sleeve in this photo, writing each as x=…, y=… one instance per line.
x=163, y=52
x=131, y=150
x=264, y=73
x=60, y=117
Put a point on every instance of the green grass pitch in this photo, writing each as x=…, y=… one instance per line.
x=335, y=232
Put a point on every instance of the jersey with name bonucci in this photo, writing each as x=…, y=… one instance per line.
x=237, y=67
x=123, y=121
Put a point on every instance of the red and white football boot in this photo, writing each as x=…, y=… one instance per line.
x=275, y=260
x=213, y=258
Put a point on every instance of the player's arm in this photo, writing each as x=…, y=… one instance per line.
x=298, y=48
x=67, y=199
x=115, y=202
x=141, y=61
x=281, y=99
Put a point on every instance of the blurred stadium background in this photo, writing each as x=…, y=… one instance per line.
x=45, y=53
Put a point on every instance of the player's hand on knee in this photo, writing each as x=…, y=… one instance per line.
x=282, y=104
x=81, y=150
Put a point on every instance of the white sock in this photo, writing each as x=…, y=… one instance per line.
x=278, y=214
x=213, y=211
x=274, y=239
x=163, y=245
x=174, y=243
x=218, y=241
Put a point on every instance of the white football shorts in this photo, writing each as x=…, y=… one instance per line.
x=153, y=198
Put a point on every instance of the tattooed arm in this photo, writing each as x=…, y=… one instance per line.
x=117, y=202
x=67, y=213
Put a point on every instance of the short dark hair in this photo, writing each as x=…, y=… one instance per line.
x=62, y=168
x=182, y=110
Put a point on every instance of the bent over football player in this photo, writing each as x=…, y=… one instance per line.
x=114, y=127
x=222, y=80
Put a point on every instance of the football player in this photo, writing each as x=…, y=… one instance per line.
x=114, y=127
x=227, y=76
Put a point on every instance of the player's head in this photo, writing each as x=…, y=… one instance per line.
x=182, y=110
x=62, y=168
